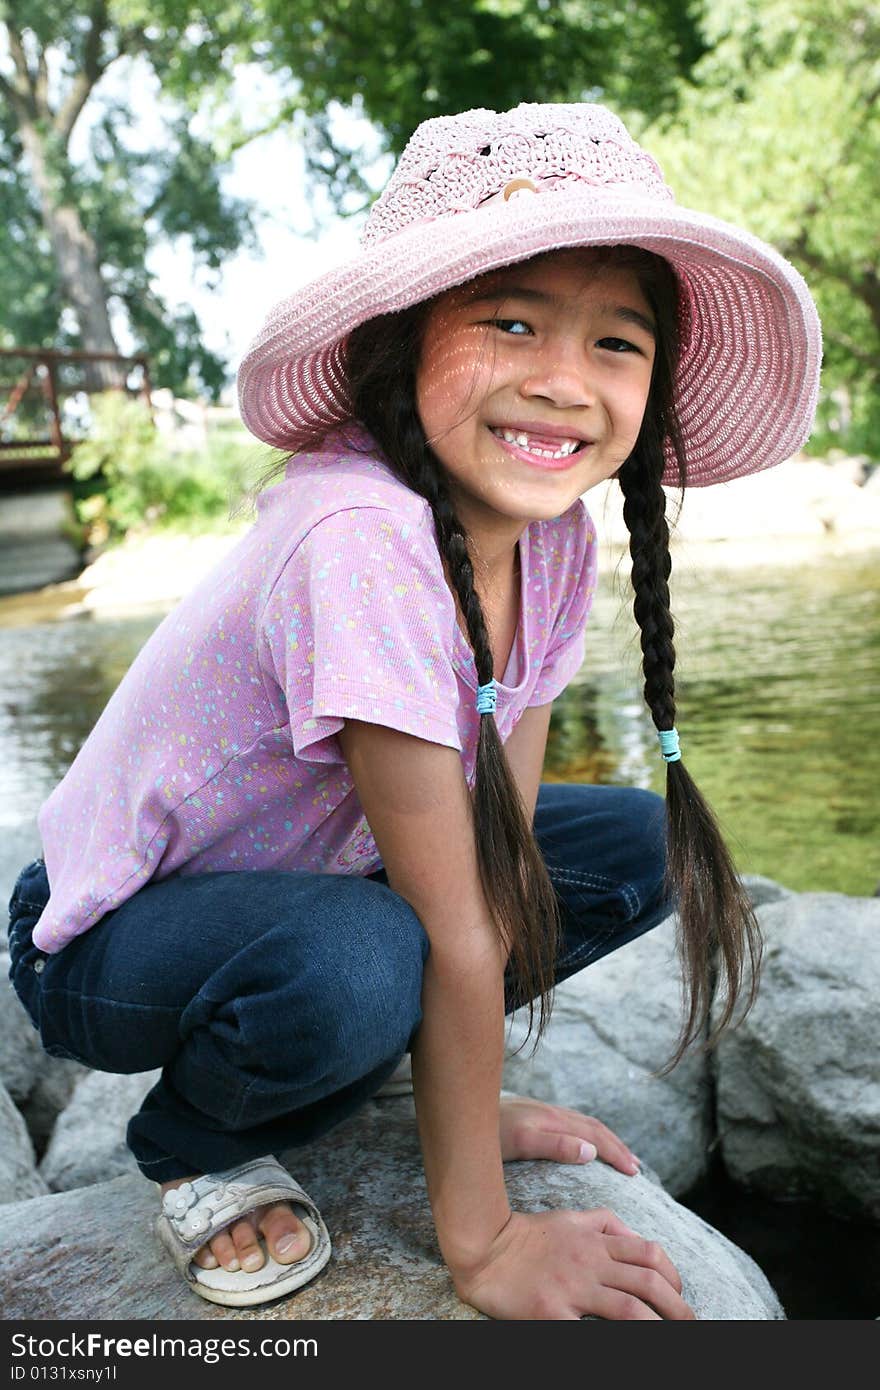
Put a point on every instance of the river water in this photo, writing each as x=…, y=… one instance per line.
x=776, y=684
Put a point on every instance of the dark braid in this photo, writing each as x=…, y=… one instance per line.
x=714, y=912
x=716, y=920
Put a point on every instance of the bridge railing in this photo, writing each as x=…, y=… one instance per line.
x=40, y=391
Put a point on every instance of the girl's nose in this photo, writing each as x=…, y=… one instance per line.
x=563, y=376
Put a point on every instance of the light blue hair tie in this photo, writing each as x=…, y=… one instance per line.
x=487, y=697
x=669, y=745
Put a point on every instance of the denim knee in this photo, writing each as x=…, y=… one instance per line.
x=292, y=1011
x=605, y=848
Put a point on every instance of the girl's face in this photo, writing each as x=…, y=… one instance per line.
x=531, y=387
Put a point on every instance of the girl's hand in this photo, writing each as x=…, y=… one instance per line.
x=563, y=1265
x=533, y=1129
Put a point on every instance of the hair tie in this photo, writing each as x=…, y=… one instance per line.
x=487, y=697
x=669, y=745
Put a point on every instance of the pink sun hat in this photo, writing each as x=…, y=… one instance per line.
x=483, y=189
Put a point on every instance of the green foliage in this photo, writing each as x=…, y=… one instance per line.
x=397, y=61
x=30, y=295
x=125, y=199
x=763, y=112
x=778, y=130
x=401, y=61
x=126, y=475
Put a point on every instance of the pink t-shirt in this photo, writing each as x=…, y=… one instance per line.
x=218, y=749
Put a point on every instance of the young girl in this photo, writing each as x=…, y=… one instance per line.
x=308, y=833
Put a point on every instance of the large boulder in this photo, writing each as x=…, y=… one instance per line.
x=39, y=1084
x=49, y=1097
x=763, y=890
x=798, y=1085
x=19, y=1179
x=21, y=1055
x=91, y=1251
x=88, y=1143
x=613, y=1025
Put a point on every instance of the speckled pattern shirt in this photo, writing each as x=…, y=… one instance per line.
x=218, y=749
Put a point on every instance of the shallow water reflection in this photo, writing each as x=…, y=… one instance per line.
x=776, y=689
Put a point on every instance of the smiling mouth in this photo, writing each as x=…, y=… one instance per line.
x=540, y=445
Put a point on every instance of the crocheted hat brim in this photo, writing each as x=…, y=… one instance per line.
x=748, y=376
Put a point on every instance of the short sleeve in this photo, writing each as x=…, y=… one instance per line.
x=565, y=651
x=359, y=625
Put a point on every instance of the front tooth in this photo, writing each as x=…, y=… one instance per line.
x=522, y=440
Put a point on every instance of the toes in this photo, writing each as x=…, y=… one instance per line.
x=238, y=1246
x=223, y=1249
x=247, y=1243
x=286, y=1236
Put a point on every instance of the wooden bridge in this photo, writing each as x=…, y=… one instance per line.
x=40, y=390
x=43, y=399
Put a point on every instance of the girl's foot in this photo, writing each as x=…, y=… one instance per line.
x=238, y=1247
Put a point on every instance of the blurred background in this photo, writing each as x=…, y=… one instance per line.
x=168, y=169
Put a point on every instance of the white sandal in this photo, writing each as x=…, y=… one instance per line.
x=194, y=1212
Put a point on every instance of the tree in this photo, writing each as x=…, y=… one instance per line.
x=778, y=128
x=75, y=243
x=402, y=61
x=74, y=248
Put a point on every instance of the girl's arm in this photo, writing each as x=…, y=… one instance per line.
x=416, y=800
x=559, y=1264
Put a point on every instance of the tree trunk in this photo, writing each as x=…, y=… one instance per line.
x=77, y=261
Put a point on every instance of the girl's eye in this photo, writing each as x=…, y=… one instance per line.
x=510, y=326
x=618, y=345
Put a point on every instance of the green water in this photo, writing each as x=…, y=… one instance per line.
x=777, y=708
x=776, y=684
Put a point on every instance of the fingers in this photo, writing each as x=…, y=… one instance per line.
x=534, y=1129
x=620, y=1307
x=635, y=1287
x=610, y=1147
x=641, y=1270
x=608, y=1223
x=645, y=1253
x=565, y=1264
x=559, y=1147
x=586, y=1129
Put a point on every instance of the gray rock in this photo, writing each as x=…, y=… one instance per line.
x=21, y=1056
x=51, y=1092
x=613, y=1025
x=88, y=1142
x=19, y=1179
x=39, y=1084
x=91, y=1251
x=798, y=1085
x=764, y=890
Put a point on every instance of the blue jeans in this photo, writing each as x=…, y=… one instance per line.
x=277, y=1003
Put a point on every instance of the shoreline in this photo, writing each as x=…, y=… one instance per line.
x=156, y=570
x=802, y=512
